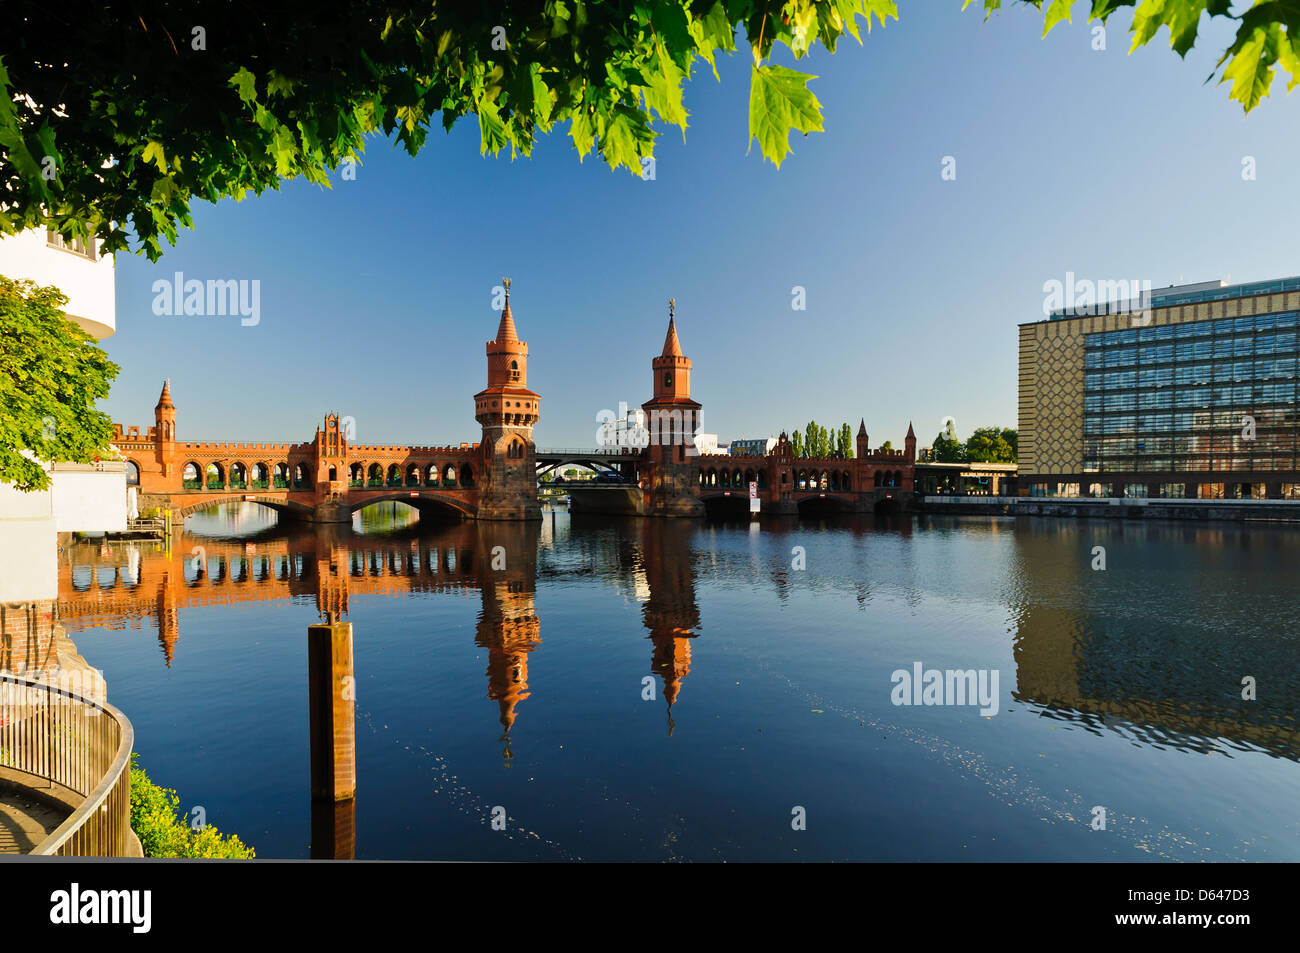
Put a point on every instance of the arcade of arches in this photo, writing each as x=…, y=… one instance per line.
x=330, y=476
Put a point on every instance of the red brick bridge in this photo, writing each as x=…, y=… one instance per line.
x=328, y=478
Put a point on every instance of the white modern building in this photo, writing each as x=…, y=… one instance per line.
x=707, y=443
x=82, y=497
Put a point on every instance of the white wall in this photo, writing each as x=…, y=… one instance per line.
x=88, y=284
x=28, y=546
x=706, y=443
x=89, y=497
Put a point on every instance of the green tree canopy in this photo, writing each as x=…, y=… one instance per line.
x=115, y=123
x=51, y=374
x=816, y=441
x=1012, y=438
x=947, y=448
x=988, y=445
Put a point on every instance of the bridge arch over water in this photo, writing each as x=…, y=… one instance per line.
x=280, y=505
x=427, y=504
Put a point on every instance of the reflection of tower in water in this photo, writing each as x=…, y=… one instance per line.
x=670, y=613
x=508, y=626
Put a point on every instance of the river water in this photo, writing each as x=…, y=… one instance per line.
x=675, y=690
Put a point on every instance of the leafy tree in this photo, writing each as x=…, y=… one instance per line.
x=170, y=112
x=1012, y=438
x=51, y=374
x=887, y=445
x=846, y=441
x=816, y=440
x=796, y=443
x=119, y=138
x=1267, y=34
x=947, y=448
x=987, y=445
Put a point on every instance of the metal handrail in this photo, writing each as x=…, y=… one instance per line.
x=83, y=746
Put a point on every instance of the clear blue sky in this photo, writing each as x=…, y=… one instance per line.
x=376, y=295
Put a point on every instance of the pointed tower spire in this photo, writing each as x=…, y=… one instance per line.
x=506, y=331
x=911, y=434
x=165, y=399
x=672, y=346
x=862, y=427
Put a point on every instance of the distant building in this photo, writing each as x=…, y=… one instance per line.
x=1191, y=394
x=707, y=443
x=759, y=447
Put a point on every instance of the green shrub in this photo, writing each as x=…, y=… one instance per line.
x=162, y=833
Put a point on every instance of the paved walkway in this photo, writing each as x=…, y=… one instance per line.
x=25, y=821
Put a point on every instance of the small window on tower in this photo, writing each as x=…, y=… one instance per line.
x=514, y=370
x=668, y=380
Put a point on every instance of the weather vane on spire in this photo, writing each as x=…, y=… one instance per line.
x=505, y=283
x=672, y=304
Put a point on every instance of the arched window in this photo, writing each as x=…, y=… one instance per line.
x=132, y=474
x=514, y=370
x=192, y=477
x=375, y=475
x=431, y=475
x=216, y=477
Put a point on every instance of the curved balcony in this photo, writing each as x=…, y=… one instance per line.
x=63, y=755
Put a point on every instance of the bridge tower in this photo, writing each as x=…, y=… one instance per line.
x=671, y=612
x=164, y=441
x=330, y=452
x=863, y=443
x=670, y=475
x=507, y=411
x=508, y=625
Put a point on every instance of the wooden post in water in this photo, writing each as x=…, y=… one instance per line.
x=332, y=704
x=333, y=829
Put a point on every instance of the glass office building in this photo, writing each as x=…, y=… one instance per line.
x=1193, y=394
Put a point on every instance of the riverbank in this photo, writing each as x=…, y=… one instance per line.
x=1173, y=509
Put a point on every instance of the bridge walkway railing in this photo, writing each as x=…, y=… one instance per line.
x=71, y=748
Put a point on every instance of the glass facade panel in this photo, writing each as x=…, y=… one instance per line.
x=1185, y=397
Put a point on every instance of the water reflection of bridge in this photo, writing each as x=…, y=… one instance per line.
x=139, y=583
x=1075, y=659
